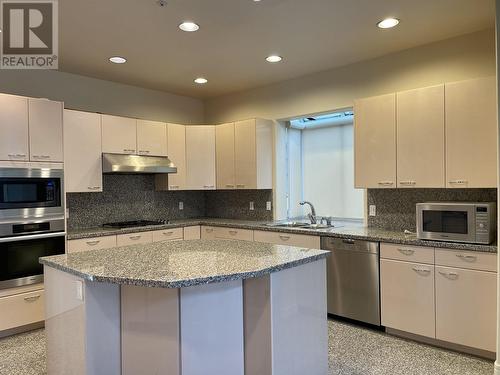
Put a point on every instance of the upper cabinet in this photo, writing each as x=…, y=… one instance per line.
x=14, y=128
x=176, y=140
x=200, y=157
x=420, y=138
x=375, y=142
x=46, y=130
x=471, y=133
x=224, y=135
x=151, y=138
x=119, y=135
x=446, y=137
x=244, y=155
x=82, y=157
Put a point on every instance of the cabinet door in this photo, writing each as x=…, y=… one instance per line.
x=200, y=157
x=87, y=244
x=13, y=127
x=407, y=297
x=176, y=138
x=119, y=135
x=471, y=133
x=45, y=130
x=151, y=138
x=82, y=159
x=134, y=238
x=375, y=142
x=466, y=307
x=420, y=138
x=245, y=151
x=224, y=137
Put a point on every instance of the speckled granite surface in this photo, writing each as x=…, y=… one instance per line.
x=345, y=230
x=235, y=204
x=182, y=264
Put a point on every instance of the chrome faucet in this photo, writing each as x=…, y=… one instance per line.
x=312, y=215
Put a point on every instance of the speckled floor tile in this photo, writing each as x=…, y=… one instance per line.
x=353, y=351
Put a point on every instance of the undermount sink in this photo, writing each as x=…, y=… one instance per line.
x=289, y=224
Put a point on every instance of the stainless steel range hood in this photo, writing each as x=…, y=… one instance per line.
x=137, y=164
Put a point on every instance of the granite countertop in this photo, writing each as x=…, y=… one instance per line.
x=182, y=264
x=348, y=229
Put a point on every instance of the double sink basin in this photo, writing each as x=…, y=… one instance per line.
x=300, y=225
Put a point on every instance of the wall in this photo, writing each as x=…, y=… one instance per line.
x=467, y=56
x=396, y=208
x=95, y=95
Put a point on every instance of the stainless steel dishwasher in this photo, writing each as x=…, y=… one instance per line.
x=353, y=276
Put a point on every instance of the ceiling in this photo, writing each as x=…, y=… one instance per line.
x=236, y=36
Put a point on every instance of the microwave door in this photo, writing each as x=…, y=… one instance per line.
x=448, y=223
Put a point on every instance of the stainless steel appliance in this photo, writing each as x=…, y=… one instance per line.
x=31, y=222
x=353, y=279
x=472, y=222
x=120, y=163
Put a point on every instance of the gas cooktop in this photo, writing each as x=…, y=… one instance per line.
x=134, y=223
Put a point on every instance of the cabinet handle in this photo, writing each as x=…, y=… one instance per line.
x=135, y=237
x=233, y=232
x=21, y=155
x=92, y=243
x=32, y=298
x=94, y=187
x=209, y=230
x=467, y=258
x=41, y=156
x=407, y=183
x=386, y=183
x=168, y=233
x=284, y=238
x=144, y=152
x=16, y=155
x=208, y=186
x=421, y=270
x=240, y=185
x=458, y=182
x=229, y=185
x=128, y=150
x=407, y=252
x=449, y=275
x=173, y=187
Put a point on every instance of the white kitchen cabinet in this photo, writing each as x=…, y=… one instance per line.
x=207, y=233
x=407, y=297
x=172, y=234
x=45, y=130
x=471, y=133
x=253, y=150
x=420, y=138
x=82, y=157
x=176, y=141
x=375, y=142
x=224, y=136
x=233, y=234
x=22, y=309
x=291, y=239
x=192, y=233
x=119, y=135
x=14, y=128
x=151, y=138
x=134, y=238
x=466, y=307
x=87, y=244
x=200, y=157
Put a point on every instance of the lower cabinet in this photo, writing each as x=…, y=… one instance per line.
x=86, y=244
x=21, y=309
x=174, y=234
x=134, y=238
x=407, y=297
x=278, y=238
x=466, y=307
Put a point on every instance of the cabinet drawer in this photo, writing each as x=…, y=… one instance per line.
x=472, y=260
x=21, y=309
x=207, y=233
x=134, y=238
x=299, y=240
x=417, y=254
x=192, y=233
x=96, y=243
x=173, y=234
x=233, y=234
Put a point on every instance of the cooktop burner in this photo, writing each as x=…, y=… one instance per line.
x=134, y=223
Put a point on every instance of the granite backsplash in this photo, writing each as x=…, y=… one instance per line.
x=133, y=197
x=396, y=208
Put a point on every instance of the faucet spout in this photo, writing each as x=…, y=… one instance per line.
x=312, y=215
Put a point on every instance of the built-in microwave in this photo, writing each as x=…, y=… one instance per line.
x=471, y=222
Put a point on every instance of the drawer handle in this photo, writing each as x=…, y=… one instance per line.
x=424, y=271
x=284, y=238
x=93, y=243
x=174, y=186
x=32, y=298
x=128, y=150
x=449, y=275
x=168, y=233
x=240, y=185
x=16, y=155
x=467, y=258
x=233, y=232
x=230, y=185
x=386, y=183
x=94, y=187
x=458, y=182
x=41, y=156
x=135, y=237
x=208, y=186
x=407, y=252
x=346, y=241
x=144, y=152
x=407, y=183
x=209, y=230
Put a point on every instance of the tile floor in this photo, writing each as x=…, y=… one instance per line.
x=353, y=351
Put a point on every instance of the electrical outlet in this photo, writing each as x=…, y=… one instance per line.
x=79, y=290
x=252, y=206
x=373, y=210
x=268, y=205
x=181, y=206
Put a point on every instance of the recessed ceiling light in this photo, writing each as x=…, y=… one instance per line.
x=388, y=23
x=274, y=58
x=118, y=60
x=201, y=80
x=189, y=26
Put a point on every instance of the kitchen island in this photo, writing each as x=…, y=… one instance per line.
x=187, y=308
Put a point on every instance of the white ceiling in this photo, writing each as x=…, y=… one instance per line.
x=236, y=36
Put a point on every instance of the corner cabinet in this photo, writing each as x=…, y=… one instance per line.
x=200, y=157
x=471, y=133
x=82, y=159
x=375, y=142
